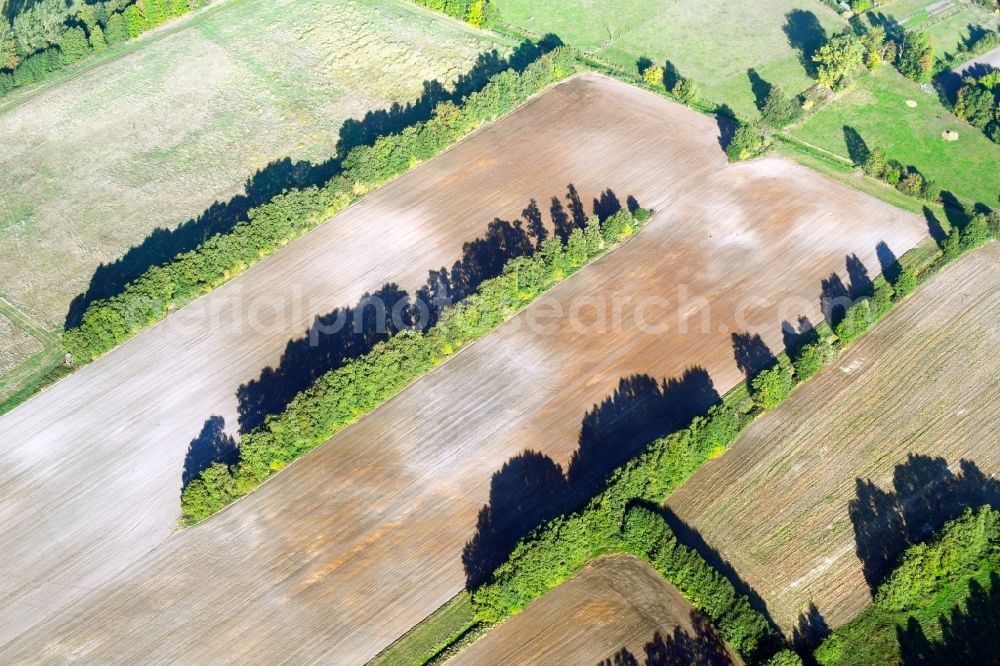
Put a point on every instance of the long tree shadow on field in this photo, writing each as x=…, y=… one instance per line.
x=163, y=245
x=212, y=445
x=349, y=332
x=836, y=296
x=759, y=87
x=968, y=632
x=701, y=646
x=857, y=149
x=805, y=35
x=925, y=494
x=531, y=488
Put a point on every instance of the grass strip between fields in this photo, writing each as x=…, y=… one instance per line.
x=554, y=552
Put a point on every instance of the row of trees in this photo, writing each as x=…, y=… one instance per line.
x=976, y=103
x=479, y=13
x=907, y=180
x=931, y=578
x=977, y=230
x=555, y=551
x=50, y=35
x=341, y=396
x=108, y=322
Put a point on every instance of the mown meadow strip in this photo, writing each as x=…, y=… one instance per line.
x=341, y=396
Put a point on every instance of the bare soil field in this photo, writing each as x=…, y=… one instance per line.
x=342, y=552
x=815, y=500
x=615, y=608
x=152, y=140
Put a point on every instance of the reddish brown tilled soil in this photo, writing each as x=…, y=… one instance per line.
x=616, y=607
x=909, y=417
x=342, y=552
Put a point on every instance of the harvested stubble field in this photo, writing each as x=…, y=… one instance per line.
x=925, y=382
x=151, y=140
x=345, y=550
x=617, y=607
x=714, y=41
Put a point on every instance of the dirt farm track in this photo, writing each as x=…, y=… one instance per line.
x=616, y=606
x=816, y=497
x=342, y=552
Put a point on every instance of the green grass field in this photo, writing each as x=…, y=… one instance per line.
x=876, y=108
x=94, y=162
x=714, y=42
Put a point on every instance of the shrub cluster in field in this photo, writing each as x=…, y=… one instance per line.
x=50, y=34
x=479, y=13
x=945, y=574
x=907, y=180
x=976, y=103
x=108, y=322
x=847, y=53
x=341, y=396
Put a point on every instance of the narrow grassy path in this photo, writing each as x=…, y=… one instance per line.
x=36, y=371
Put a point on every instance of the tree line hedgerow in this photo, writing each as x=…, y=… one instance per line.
x=52, y=34
x=940, y=605
x=556, y=550
x=108, y=322
x=344, y=394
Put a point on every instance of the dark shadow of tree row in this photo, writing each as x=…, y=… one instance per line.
x=925, y=494
x=531, y=488
x=163, y=245
x=970, y=635
x=349, y=332
x=702, y=646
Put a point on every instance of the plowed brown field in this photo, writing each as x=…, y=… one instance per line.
x=615, y=608
x=792, y=507
x=342, y=552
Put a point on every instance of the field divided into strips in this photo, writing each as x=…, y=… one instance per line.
x=715, y=41
x=151, y=140
x=615, y=609
x=810, y=504
x=341, y=553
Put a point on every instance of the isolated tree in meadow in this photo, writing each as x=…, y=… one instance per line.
x=838, y=60
x=8, y=45
x=916, y=61
x=779, y=108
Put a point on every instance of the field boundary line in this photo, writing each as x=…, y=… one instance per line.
x=27, y=323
